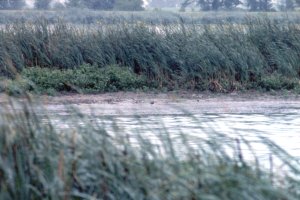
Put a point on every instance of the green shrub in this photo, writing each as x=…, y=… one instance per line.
x=87, y=79
x=278, y=82
x=15, y=87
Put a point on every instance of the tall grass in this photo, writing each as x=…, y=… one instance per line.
x=38, y=160
x=86, y=16
x=218, y=57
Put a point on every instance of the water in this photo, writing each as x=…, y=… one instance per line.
x=231, y=121
x=283, y=129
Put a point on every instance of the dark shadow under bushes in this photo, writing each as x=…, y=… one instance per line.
x=221, y=57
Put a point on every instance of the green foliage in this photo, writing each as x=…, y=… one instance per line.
x=41, y=161
x=10, y=58
x=81, y=16
x=12, y=4
x=287, y=5
x=87, y=79
x=15, y=87
x=278, y=82
x=100, y=4
x=134, y=5
x=220, y=57
x=259, y=5
x=42, y=4
x=46, y=79
x=253, y=5
x=74, y=3
x=215, y=5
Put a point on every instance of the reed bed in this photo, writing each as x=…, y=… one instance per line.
x=86, y=16
x=39, y=160
x=262, y=53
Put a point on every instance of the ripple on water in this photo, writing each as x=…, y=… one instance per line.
x=283, y=129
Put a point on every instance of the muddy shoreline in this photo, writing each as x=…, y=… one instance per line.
x=170, y=103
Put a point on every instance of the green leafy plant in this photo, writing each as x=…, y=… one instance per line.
x=87, y=79
x=278, y=82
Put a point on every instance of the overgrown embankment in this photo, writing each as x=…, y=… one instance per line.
x=261, y=53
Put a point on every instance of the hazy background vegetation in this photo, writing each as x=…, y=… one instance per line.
x=136, y=5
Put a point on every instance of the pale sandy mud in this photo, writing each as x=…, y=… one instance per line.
x=171, y=103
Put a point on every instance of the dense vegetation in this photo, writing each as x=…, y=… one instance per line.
x=252, y=5
x=41, y=161
x=12, y=4
x=260, y=53
x=157, y=17
x=135, y=5
x=85, y=79
x=107, y=4
x=132, y=5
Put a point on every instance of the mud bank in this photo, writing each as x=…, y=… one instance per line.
x=128, y=103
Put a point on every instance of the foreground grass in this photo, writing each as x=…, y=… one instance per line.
x=39, y=161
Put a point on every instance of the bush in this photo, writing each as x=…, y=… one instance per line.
x=86, y=78
x=15, y=87
x=278, y=82
x=133, y=5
